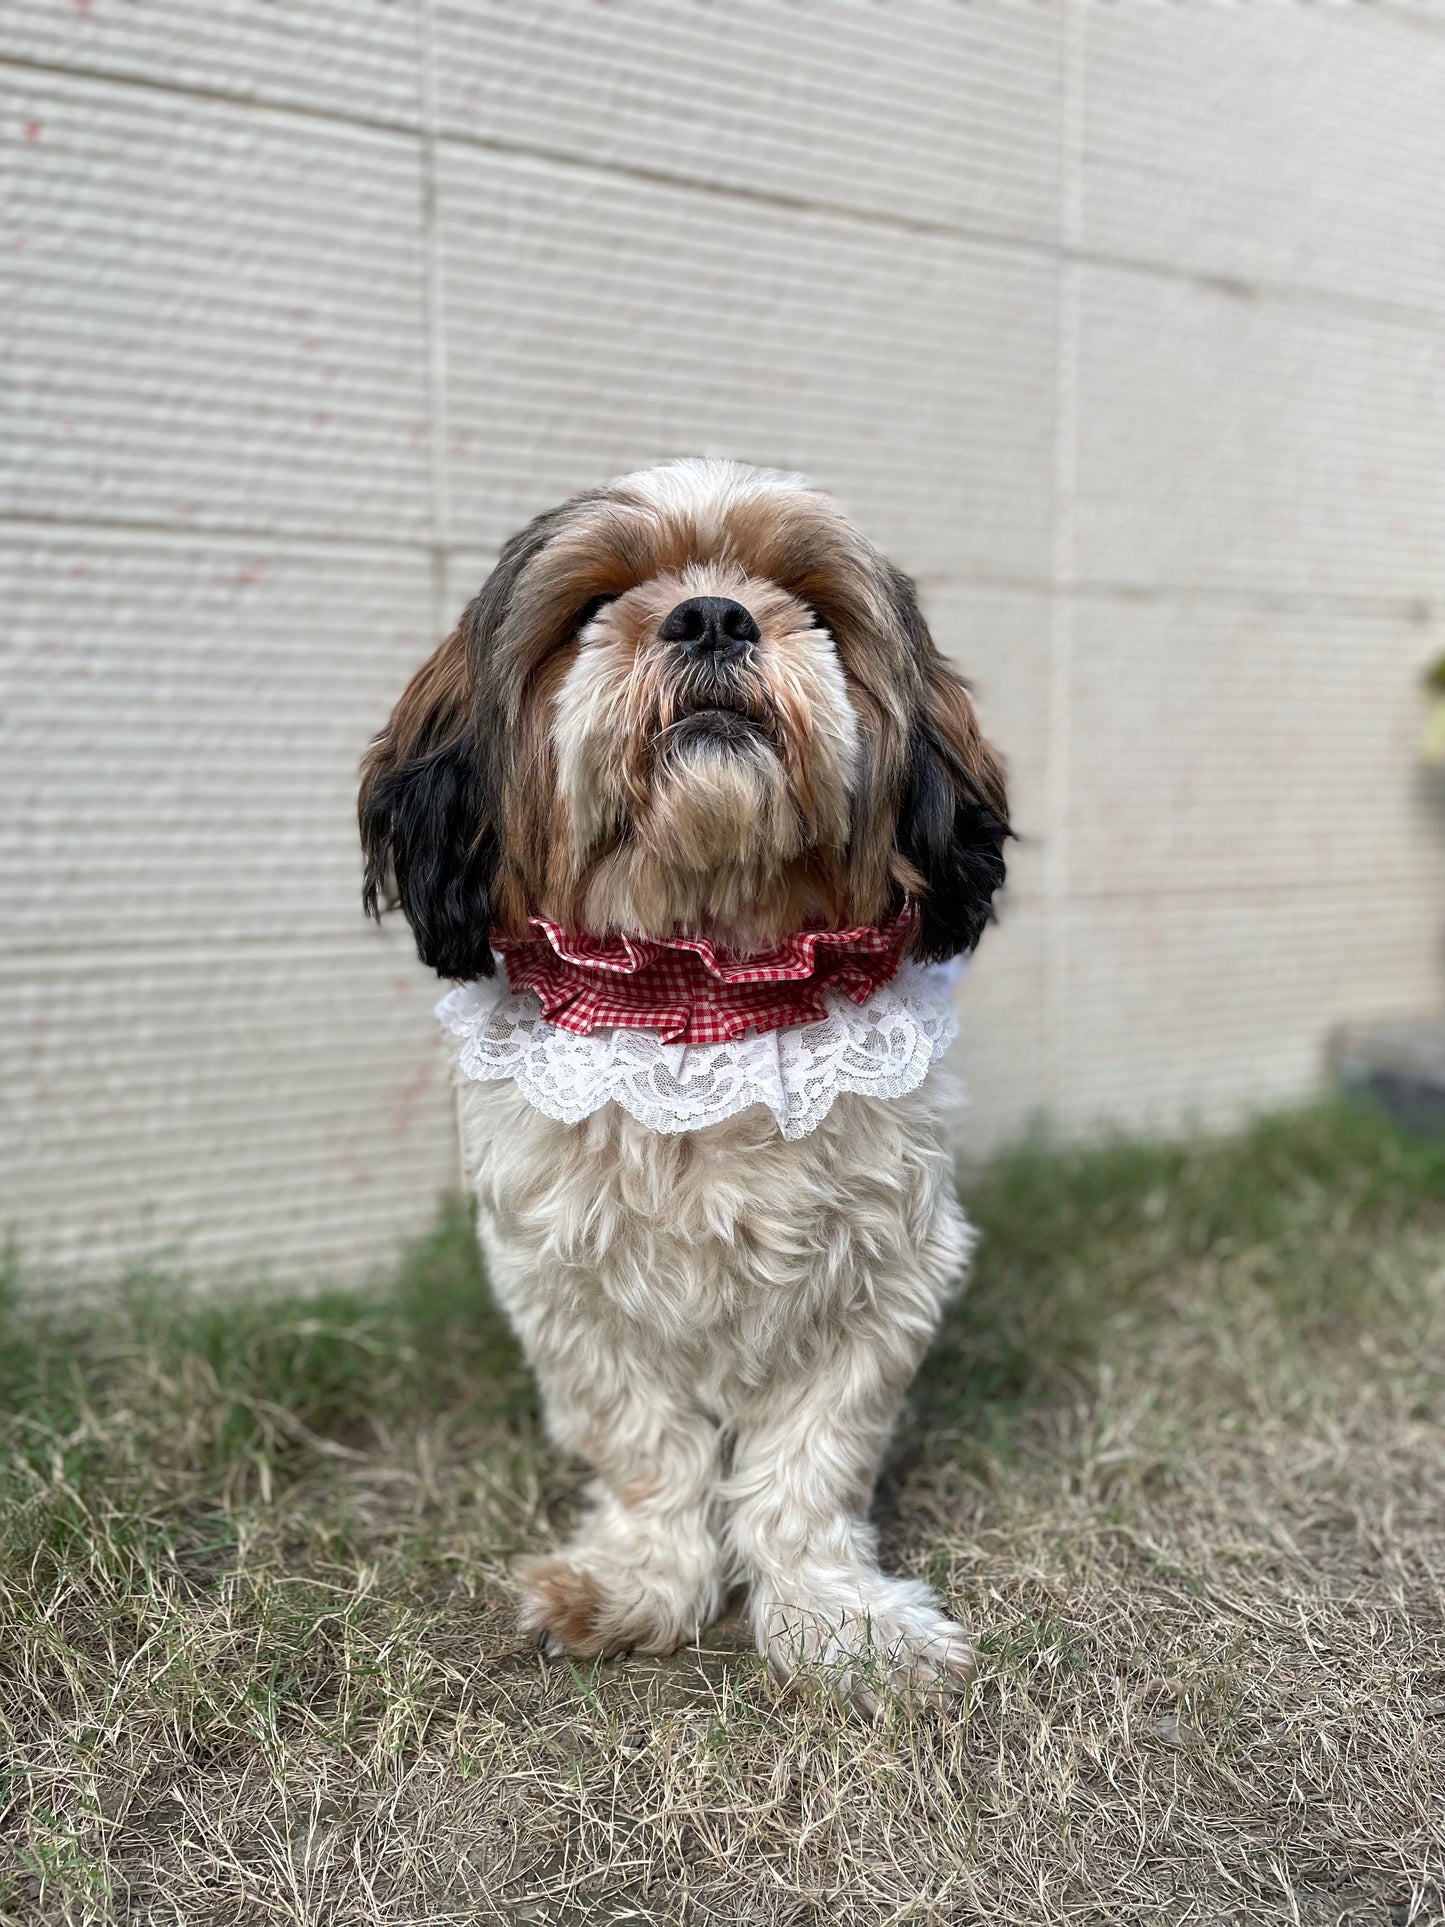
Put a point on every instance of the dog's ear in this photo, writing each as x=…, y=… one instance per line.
x=953, y=815
x=431, y=784
x=428, y=837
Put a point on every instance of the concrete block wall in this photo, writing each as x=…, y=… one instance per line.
x=1119, y=323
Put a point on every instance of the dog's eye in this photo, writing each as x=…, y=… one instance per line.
x=592, y=608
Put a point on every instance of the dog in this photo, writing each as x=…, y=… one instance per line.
x=692, y=745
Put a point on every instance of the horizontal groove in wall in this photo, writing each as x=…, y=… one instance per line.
x=970, y=233
x=1415, y=609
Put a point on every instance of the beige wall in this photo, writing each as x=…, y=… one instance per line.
x=1120, y=324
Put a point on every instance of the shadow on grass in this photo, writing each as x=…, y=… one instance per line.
x=339, y=1362
x=161, y=1410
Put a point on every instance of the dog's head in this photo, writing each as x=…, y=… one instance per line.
x=694, y=701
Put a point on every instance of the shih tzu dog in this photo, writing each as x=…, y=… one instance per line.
x=692, y=772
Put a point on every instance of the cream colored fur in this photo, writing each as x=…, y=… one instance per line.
x=723, y=1325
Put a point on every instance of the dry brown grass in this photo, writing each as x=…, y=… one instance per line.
x=1179, y=1460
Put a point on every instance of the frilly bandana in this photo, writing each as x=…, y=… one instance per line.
x=687, y=992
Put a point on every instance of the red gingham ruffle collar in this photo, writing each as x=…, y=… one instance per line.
x=689, y=992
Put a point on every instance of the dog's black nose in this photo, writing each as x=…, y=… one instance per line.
x=710, y=626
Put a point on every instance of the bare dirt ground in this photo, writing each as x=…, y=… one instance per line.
x=1178, y=1459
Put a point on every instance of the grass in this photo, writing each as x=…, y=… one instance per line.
x=1178, y=1458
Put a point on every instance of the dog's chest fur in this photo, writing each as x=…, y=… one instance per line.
x=726, y=1255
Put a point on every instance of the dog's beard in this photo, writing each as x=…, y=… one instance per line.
x=719, y=826
x=704, y=803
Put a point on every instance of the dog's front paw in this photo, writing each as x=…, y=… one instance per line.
x=596, y=1609
x=874, y=1638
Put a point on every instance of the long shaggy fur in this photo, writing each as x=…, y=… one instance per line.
x=722, y=1323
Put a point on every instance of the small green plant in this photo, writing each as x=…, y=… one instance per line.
x=1433, y=742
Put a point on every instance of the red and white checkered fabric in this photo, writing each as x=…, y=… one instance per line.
x=689, y=993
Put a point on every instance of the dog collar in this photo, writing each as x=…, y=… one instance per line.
x=689, y=992
x=883, y=1047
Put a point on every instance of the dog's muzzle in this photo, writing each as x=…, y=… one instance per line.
x=715, y=637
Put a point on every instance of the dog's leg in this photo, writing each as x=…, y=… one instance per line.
x=643, y=1570
x=803, y=1469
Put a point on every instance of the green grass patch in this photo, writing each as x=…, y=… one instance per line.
x=1083, y=1249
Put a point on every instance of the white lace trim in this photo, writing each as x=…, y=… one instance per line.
x=882, y=1049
